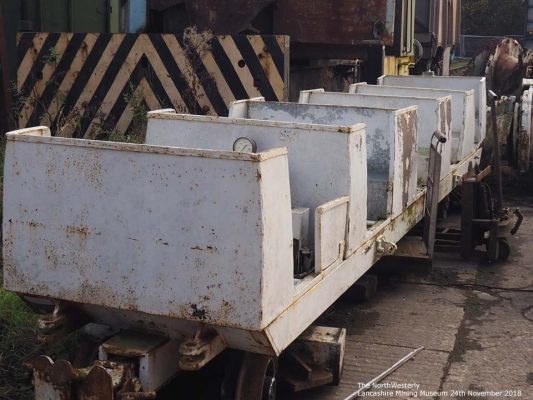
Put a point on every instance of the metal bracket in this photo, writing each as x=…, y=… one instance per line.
x=104, y=380
x=195, y=353
x=63, y=321
x=315, y=359
x=385, y=248
x=519, y=219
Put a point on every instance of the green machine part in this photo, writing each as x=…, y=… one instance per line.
x=98, y=16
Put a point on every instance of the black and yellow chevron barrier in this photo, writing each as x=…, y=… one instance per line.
x=78, y=83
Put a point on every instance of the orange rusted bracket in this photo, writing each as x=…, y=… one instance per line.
x=63, y=321
x=104, y=380
x=195, y=353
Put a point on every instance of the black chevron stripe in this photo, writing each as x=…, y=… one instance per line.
x=23, y=45
x=230, y=75
x=276, y=52
x=261, y=81
x=143, y=69
x=157, y=87
x=130, y=125
x=37, y=67
x=107, y=81
x=206, y=80
x=85, y=74
x=57, y=78
x=175, y=74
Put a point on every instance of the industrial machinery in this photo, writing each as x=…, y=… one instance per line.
x=222, y=239
x=335, y=40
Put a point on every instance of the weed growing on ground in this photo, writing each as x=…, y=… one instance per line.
x=18, y=334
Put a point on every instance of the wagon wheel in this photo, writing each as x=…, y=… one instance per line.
x=257, y=378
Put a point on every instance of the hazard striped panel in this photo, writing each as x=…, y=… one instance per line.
x=79, y=83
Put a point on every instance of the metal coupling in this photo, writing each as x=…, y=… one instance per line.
x=385, y=248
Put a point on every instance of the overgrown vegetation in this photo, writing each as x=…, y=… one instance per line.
x=494, y=17
x=18, y=333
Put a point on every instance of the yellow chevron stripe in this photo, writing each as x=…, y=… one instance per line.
x=165, y=79
x=121, y=80
x=214, y=71
x=244, y=74
x=276, y=81
x=29, y=59
x=40, y=85
x=142, y=46
x=97, y=75
x=149, y=96
x=68, y=81
x=188, y=72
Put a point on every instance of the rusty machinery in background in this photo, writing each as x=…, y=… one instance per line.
x=335, y=41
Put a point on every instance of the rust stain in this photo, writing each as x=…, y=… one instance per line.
x=266, y=63
x=198, y=312
x=408, y=124
x=346, y=23
x=77, y=230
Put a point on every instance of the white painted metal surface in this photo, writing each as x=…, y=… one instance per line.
x=464, y=83
x=433, y=114
x=300, y=226
x=154, y=356
x=330, y=230
x=309, y=297
x=313, y=295
x=391, y=137
x=198, y=235
x=325, y=162
x=463, y=112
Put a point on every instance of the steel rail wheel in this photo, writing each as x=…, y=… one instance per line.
x=257, y=378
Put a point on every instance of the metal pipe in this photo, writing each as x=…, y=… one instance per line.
x=496, y=162
x=384, y=374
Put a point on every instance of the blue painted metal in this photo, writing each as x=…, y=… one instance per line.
x=136, y=16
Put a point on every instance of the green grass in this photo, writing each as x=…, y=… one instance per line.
x=18, y=334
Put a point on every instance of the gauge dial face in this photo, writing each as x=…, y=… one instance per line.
x=244, y=145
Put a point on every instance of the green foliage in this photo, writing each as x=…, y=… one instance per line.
x=494, y=17
x=18, y=333
x=137, y=131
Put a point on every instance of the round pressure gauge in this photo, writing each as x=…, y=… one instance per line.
x=245, y=145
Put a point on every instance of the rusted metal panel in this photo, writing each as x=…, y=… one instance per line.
x=463, y=113
x=391, y=137
x=163, y=241
x=223, y=18
x=433, y=113
x=310, y=297
x=523, y=142
x=325, y=162
x=310, y=301
x=336, y=22
x=156, y=356
x=463, y=83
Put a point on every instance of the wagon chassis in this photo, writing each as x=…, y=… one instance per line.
x=256, y=375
